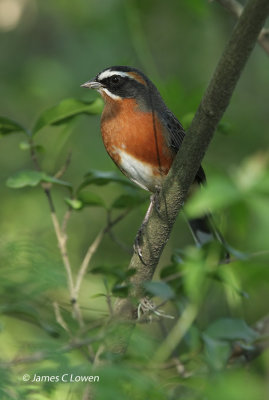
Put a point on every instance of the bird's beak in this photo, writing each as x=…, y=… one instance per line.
x=92, y=85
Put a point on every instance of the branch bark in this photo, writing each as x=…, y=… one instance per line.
x=236, y=9
x=195, y=144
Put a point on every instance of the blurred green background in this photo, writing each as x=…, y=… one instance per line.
x=47, y=49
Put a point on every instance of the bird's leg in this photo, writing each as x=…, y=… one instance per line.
x=137, y=244
x=156, y=199
x=154, y=202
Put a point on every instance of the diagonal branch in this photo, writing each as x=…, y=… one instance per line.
x=195, y=144
x=236, y=9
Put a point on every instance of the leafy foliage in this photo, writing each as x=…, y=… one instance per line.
x=215, y=306
x=65, y=111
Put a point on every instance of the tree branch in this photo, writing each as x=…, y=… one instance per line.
x=236, y=9
x=195, y=144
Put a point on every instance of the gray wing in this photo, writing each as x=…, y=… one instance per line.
x=175, y=136
x=175, y=131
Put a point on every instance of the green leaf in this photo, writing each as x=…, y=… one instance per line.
x=231, y=329
x=51, y=179
x=74, y=203
x=24, y=178
x=66, y=110
x=131, y=200
x=8, y=126
x=101, y=178
x=89, y=198
x=32, y=178
x=159, y=289
x=217, y=352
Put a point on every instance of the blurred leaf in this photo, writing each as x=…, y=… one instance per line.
x=186, y=120
x=28, y=313
x=236, y=384
x=194, y=273
x=219, y=193
x=51, y=179
x=74, y=203
x=90, y=198
x=8, y=126
x=95, y=296
x=224, y=128
x=169, y=270
x=129, y=200
x=159, y=289
x=119, y=272
x=101, y=178
x=24, y=178
x=217, y=352
x=121, y=291
x=32, y=178
x=65, y=110
x=253, y=173
x=231, y=329
x=26, y=146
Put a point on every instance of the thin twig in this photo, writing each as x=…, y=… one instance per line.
x=63, y=169
x=66, y=218
x=59, y=317
x=61, y=239
x=83, y=268
x=236, y=9
x=91, y=250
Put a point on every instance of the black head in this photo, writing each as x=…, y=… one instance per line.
x=120, y=82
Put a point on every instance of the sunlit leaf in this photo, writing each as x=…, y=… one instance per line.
x=160, y=289
x=66, y=110
x=26, y=146
x=74, y=203
x=8, y=126
x=231, y=329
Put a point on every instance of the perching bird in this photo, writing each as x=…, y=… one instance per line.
x=141, y=135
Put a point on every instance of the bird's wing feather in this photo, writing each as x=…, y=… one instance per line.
x=175, y=135
x=175, y=131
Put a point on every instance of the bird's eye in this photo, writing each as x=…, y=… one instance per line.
x=115, y=79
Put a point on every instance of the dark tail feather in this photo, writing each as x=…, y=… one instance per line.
x=204, y=231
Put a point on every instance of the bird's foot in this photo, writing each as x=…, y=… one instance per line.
x=148, y=308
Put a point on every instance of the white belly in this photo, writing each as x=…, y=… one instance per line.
x=139, y=172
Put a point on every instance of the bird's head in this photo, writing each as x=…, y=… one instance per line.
x=119, y=82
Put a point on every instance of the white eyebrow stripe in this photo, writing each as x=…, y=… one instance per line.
x=113, y=96
x=108, y=73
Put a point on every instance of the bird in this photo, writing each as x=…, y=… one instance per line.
x=142, y=136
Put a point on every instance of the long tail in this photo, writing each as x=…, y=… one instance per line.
x=203, y=229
